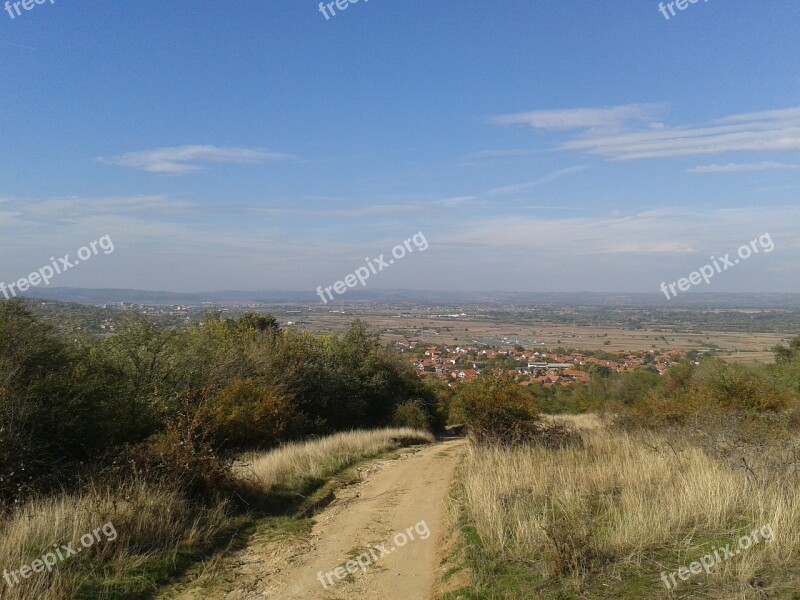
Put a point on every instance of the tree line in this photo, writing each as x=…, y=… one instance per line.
x=175, y=401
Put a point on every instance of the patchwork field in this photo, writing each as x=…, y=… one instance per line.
x=741, y=347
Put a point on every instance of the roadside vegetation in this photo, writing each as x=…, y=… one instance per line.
x=185, y=439
x=600, y=505
x=161, y=533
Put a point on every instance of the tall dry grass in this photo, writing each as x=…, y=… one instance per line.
x=154, y=523
x=580, y=422
x=624, y=499
x=148, y=520
x=321, y=458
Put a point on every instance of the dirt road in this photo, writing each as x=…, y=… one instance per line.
x=391, y=525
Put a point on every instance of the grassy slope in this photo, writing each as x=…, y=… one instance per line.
x=605, y=520
x=160, y=536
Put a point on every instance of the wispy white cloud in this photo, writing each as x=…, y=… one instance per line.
x=323, y=198
x=185, y=159
x=764, y=115
x=345, y=212
x=632, y=251
x=662, y=232
x=59, y=212
x=17, y=45
x=624, y=133
x=743, y=168
x=524, y=187
x=497, y=154
x=613, y=117
x=490, y=157
x=772, y=131
x=367, y=210
x=165, y=244
x=659, y=248
x=55, y=211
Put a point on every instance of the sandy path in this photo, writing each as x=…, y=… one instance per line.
x=396, y=499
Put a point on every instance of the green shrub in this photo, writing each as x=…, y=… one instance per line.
x=181, y=456
x=410, y=414
x=497, y=411
x=248, y=414
x=715, y=392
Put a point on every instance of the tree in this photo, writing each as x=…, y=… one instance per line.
x=634, y=385
x=784, y=354
x=247, y=414
x=256, y=322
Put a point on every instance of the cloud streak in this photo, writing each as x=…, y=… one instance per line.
x=497, y=154
x=667, y=232
x=744, y=168
x=612, y=117
x=618, y=251
x=524, y=187
x=185, y=159
x=620, y=134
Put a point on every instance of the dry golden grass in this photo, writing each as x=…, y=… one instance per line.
x=153, y=523
x=586, y=421
x=628, y=500
x=146, y=519
x=323, y=457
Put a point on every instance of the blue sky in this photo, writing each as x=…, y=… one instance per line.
x=540, y=146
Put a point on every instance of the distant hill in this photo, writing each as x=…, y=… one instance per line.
x=593, y=299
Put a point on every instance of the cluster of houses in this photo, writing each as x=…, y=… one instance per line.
x=450, y=364
x=465, y=363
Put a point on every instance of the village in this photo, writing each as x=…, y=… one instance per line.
x=465, y=364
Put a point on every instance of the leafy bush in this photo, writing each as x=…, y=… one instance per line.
x=410, y=414
x=182, y=457
x=59, y=406
x=714, y=392
x=497, y=411
x=248, y=414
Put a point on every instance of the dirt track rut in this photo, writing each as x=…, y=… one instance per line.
x=395, y=500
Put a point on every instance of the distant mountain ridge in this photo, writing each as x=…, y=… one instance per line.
x=595, y=299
